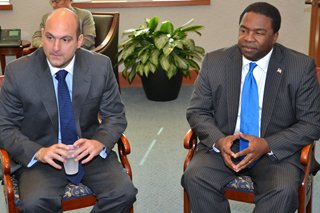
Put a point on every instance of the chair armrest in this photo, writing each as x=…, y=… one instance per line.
x=8, y=185
x=190, y=142
x=306, y=154
x=306, y=157
x=124, y=150
x=5, y=162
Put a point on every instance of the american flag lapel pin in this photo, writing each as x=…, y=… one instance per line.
x=279, y=70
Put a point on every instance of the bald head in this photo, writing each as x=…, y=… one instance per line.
x=61, y=37
x=64, y=16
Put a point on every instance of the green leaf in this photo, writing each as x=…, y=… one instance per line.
x=172, y=71
x=131, y=76
x=152, y=67
x=152, y=23
x=164, y=62
x=160, y=41
x=168, y=49
x=154, y=58
x=166, y=27
x=180, y=62
x=127, y=52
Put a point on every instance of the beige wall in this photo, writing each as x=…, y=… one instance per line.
x=220, y=20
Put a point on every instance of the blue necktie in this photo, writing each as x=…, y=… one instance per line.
x=67, y=122
x=249, y=116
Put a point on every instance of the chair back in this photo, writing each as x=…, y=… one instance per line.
x=107, y=35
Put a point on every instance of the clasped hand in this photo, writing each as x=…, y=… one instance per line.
x=87, y=150
x=256, y=148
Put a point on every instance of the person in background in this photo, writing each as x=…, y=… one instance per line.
x=33, y=127
x=264, y=142
x=86, y=20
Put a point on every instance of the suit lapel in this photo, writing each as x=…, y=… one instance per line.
x=81, y=86
x=45, y=87
x=233, y=79
x=273, y=80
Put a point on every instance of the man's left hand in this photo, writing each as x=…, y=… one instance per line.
x=87, y=150
x=257, y=148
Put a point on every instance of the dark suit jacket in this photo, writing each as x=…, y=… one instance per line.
x=291, y=104
x=28, y=107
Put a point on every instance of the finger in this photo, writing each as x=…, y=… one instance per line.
x=243, y=164
x=228, y=161
x=79, y=142
x=245, y=136
x=87, y=159
x=242, y=153
x=54, y=164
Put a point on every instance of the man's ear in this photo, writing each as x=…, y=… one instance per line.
x=80, y=40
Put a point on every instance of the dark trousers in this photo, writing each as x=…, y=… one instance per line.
x=276, y=183
x=42, y=186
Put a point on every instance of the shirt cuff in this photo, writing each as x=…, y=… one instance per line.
x=103, y=153
x=272, y=156
x=33, y=161
x=214, y=148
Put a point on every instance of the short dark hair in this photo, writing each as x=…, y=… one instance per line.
x=266, y=9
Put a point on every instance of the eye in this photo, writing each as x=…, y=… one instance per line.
x=242, y=30
x=66, y=40
x=49, y=37
x=260, y=32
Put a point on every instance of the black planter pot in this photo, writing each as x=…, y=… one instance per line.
x=158, y=87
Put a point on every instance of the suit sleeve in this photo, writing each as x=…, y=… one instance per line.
x=306, y=105
x=112, y=112
x=201, y=112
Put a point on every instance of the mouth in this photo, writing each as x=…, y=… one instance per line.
x=55, y=56
x=248, y=49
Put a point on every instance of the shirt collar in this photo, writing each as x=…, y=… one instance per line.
x=68, y=68
x=263, y=63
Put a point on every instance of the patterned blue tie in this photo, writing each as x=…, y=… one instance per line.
x=67, y=122
x=249, y=116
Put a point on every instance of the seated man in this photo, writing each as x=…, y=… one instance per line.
x=86, y=20
x=255, y=106
x=49, y=101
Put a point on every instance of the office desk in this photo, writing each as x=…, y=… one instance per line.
x=9, y=51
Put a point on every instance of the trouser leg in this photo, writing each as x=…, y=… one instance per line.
x=108, y=179
x=41, y=188
x=204, y=181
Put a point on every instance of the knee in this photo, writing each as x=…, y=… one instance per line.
x=190, y=178
x=288, y=192
x=128, y=193
x=123, y=194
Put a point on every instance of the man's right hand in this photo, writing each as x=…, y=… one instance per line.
x=51, y=153
x=224, y=145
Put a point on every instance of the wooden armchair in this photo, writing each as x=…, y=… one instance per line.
x=75, y=197
x=107, y=33
x=81, y=196
x=241, y=188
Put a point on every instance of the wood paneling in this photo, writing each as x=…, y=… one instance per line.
x=314, y=45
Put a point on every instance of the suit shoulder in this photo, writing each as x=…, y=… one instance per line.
x=293, y=56
x=91, y=57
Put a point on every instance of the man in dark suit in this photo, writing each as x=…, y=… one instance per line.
x=288, y=118
x=29, y=121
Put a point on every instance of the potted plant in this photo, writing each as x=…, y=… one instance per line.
x=165, y=53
